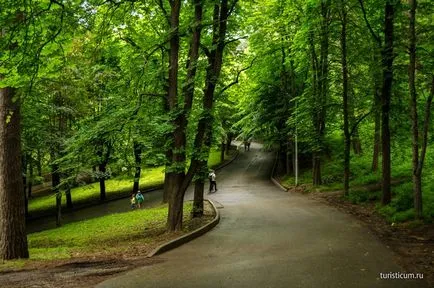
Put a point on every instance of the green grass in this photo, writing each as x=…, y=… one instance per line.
x=117, y=187
x=112, y=233
x=98, y=234
x=401, y=207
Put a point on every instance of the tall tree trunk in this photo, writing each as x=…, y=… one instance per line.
x=203, y=138
x=39, y=162
x=347, y=144
x=102, y=192
x=377, y=128
x=177, y=174
x=228, y=143
x=417, y=179
x=13, y=240
x=198, y=191
x=68, y=196
x=138, y=163
x=179, y=180
x=222, y=151
x=316, y=166
x=386, y=96
x=322, y=93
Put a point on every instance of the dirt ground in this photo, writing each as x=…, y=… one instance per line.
x=87, y=271
x=414, y=246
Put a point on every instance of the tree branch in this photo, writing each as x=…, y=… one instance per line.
x=358, y=122
x=237, y=78
x=234, y=40
x=374, y=35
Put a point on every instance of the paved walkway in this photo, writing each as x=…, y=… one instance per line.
x=269, y=238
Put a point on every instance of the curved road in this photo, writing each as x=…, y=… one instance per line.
x=269, y=238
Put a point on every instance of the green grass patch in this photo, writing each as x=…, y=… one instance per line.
x=117, y=187
x=108, y=233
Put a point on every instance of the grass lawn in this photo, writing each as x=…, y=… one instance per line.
x=401, y=207
x=115, y=188
x=126, y=233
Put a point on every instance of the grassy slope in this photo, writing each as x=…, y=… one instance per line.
x=401, y=207
x=117, y=187
x=115, y=233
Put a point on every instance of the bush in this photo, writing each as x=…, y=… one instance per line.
x=361, y=196
x=403, y=199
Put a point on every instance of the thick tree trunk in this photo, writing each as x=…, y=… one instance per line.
x=203, y=138
x=228, y=143
x=198, y=192
x=138, y=163
x=167, y=187
x=377, y=128
x=68, y=195
x=39, y=162
x=347, y=141
x=417, y=177
x=355, y=140
x=222, y=151
x=176, y=175
x=316, y=169
x=102, y=191
x=13, y=239
x=386, y=96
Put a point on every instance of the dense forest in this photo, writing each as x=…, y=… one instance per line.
x=111, y=89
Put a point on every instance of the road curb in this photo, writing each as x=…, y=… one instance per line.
x=274, y=180
x=188, y=237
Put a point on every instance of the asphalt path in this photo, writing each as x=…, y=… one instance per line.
x=270, y=238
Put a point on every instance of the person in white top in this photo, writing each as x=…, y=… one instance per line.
x=212, y=181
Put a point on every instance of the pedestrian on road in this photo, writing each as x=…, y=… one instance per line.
x=212, y=181
x=133, y=201
x=140, y=199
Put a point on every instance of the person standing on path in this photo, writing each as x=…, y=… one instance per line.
x=140, y=199
x=133, y=201
x=212, y=181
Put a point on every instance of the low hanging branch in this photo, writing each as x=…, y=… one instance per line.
x=358, y=122
x=237, y=77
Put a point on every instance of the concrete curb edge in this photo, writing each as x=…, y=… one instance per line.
x=277, y=183
x=188, y=237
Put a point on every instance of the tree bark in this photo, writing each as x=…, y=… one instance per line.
x=228, y=143
x=198, y=196
x=13, y=239
x=386, y=94
x=39, y=162
x=320, y=90
x=68, y=195
x=203, y=138
x=417, y=179
x=176, y=175
x=347, y=141
x=222, y=151
x=102, y=192
x=138, y=163
x=377, y=128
